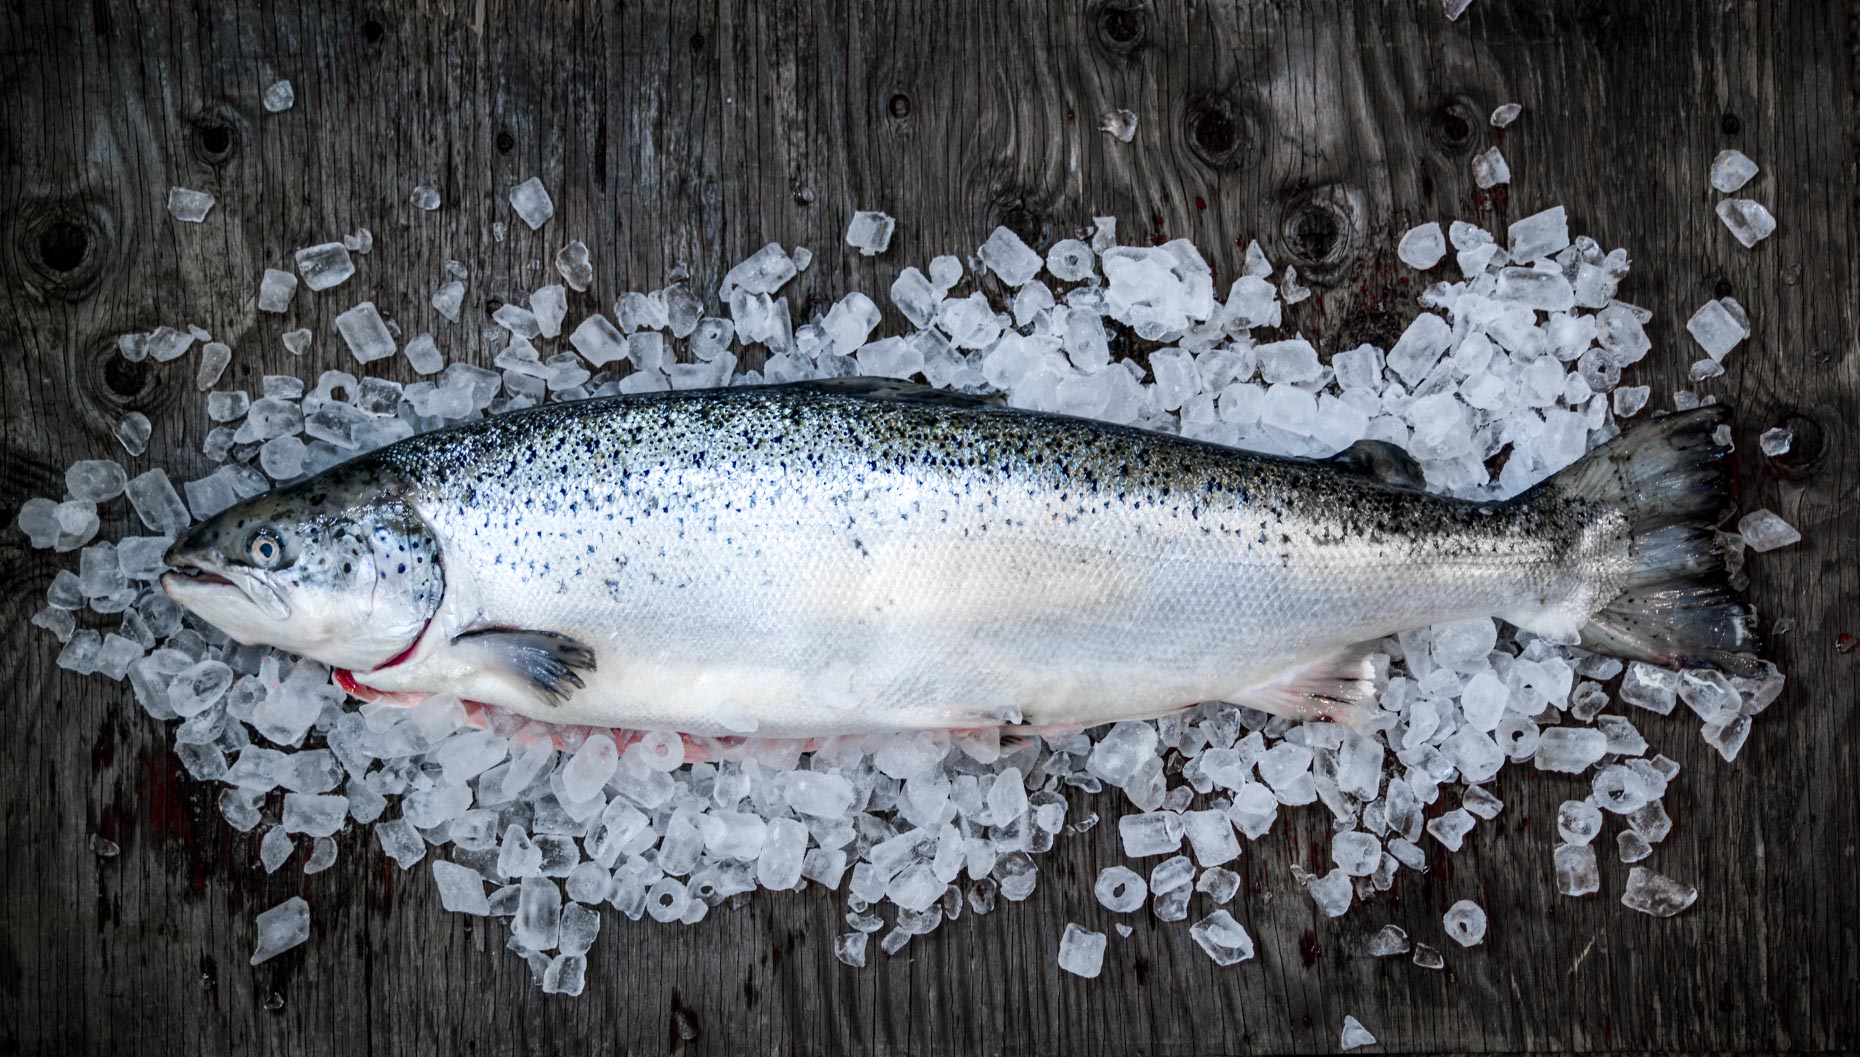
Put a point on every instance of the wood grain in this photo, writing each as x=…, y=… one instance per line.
x=682, y=137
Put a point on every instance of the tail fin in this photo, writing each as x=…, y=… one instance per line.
x=1677, y=608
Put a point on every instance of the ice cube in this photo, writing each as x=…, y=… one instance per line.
x=133, y=432
x=189, y=206
x=1156, y=833
x=549, y=304
x=1218, y=884
x=449, y=299
x=1211, y=835
x=1121, y=889
x=1490, y=169
x=599, y=341
x=279, y=96
x=589, y=768
x=281, y=928
x=1356, y=853
x=1576, y=873
x=1008, y=257
x=1388, y=941
x=538, y=923
x=95, y=480
x=324, y=265
x=275, y=290
x=1423, y=246
x=1570, y=750
x=1538, y=235
x=1505, y=114
x=1730, y=170
x=214, y=356
x=850, y=949
x=531, y=202
x=1631, y=846
x=157, y=503
x=461, y=888
x=1081, y=951
x=1652, y=893
x=1419, y=347
x=318, y=815
x=1293, y=360
x=1749, y=221
x=870, y=232
x=1354, y=1034
x=1331, y=892
x=77, y=523
x=1224, y=939
x=1762, y=531
x=1450, y=829
x=1069, y=260
x=763, y=272
x=275, y=849
x=1718, y=326
x=296, y=341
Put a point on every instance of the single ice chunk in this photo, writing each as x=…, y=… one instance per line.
x=598, y=341
x=870, y=232
x=1224, y=939
x=1156, y=833
x=325, y=265
x=461, y=888
x=1419, y=347
x=1632, y=846
x=133, y=432
x=1008, y=257
x=1749, y=221
x=275, y=290
x=1423, y=247
x=1354, y=1034
x=1356, y=853
x=1211, y=835
x=818, y=794
x=296, y=341
x=1538, y=235
x=1069, y=260
x=189, y=206
x=279, y=96
x=1121, y=889
x=214, y=356
x=1081, y=951
x=1218, y=884
x=1764, y=531
x=1490, y=170
x=166, y=343
x=1576, y=872
x=96, y=480
x=1450, y=829
x=1389, y=941
x=1465, y=921
x=1630, y=399
x=531, y=202
x=1776, y=441
x=315, y=814
x=1505, y=114
x=1730, y=170
x=157, y=503
x=1718, y=326
x=850, y=949
x=1578, y=821
x=538, y=923
x=1427, y=957
x=1650, y=687
x=1652, y=893
x=549, y=304
x=1331, y=892
x=366, y=334
x=1570, y=750
x=281, y=928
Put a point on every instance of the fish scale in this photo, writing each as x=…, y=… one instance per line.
x=817, y=559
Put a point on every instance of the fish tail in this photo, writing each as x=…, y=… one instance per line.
x=1675, y=605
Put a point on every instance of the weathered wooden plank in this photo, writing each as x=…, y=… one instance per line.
x=688, y=135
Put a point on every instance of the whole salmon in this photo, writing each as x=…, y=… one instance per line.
x=823, y=558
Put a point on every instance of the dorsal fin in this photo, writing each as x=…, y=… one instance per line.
x=899, y=389
x=1379, y=460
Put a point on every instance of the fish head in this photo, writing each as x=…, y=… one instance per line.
x=346, y=575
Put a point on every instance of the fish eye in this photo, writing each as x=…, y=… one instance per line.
x=266, y=550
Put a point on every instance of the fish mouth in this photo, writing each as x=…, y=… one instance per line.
x=197, y=575
x=186, y=576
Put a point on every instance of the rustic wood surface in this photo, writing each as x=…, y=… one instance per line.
x=686, y=135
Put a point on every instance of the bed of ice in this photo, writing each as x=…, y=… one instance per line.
x=1510, y=369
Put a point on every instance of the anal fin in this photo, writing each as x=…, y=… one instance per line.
x=1338, y=687
x=548, y=663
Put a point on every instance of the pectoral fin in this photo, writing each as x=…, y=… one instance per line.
x=548, y=663
x=1339, y=687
